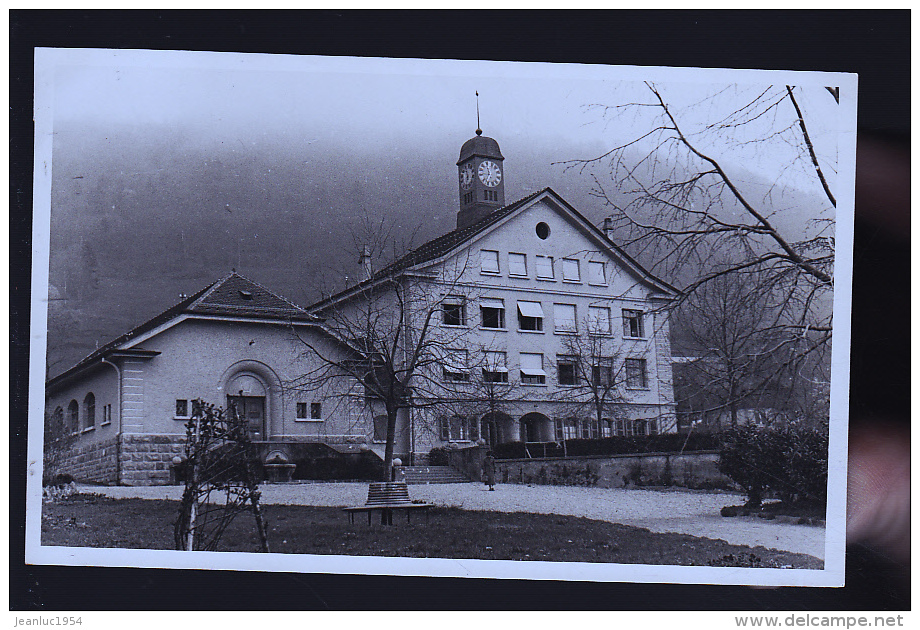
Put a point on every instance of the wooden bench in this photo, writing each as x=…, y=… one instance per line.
x=387, y=496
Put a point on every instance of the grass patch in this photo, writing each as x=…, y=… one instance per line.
x=95, y=521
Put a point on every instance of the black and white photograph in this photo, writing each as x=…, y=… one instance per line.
x=424, y=317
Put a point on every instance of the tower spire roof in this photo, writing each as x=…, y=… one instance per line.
x=478, y=126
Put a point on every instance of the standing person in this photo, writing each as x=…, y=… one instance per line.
x=488, y=470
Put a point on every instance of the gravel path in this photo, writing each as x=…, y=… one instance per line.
x=694, y=513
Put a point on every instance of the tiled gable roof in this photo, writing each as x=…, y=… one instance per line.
x=235, y=295
x=227, y=297
x=444, y=244
x=437, y=247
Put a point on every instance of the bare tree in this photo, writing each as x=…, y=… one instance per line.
x=486, y=391
x=731, y=329
x=703, y=193
x=405, y=335
x=592, y=374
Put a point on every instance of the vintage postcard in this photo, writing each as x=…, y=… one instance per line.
x=440, y=318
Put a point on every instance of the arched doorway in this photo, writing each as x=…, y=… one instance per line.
x=246, y=393
x=535, y=427
x=495, y=428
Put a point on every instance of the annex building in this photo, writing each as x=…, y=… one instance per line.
x=528, y=324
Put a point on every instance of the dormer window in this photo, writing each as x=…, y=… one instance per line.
x=246, y=295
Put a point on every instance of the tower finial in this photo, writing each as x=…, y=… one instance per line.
x=478, y=128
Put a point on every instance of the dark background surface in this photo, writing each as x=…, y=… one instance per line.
x=876, y=45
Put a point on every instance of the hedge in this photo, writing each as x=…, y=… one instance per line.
x=790, y=462
x=618, y=445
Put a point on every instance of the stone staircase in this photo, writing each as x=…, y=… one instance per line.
x=420, y=475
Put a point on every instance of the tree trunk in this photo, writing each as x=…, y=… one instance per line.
x=392, y=415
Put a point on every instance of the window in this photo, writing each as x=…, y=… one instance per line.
x=532, y=369
x=493, y=313
x=455, y=366
x=545, y=268
x=468, y=197
x=636, y=377
x=106, y=414
x=453, y=311
x=530, y=316
x=632, y=324
x=606, y=428
x=301, y=411
x=73, y=417
x=490, y=195
x=496, y=368
x=458, y=429
x=89, y=411
x=196, y=407
x=588, y=428
x=599, y=320
x=542, y=231
x=564, y=318
x=570, y=271
x=488, y=260
x=567, y=370
x=596, y=273
x=602, y=372
x=316, y=411
x=380, y=428
x=566, y=429
x=652, y=427
x=181, y=408
x=517, y=265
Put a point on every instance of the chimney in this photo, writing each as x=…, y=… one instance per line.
x=608, y=228
x=365, y=262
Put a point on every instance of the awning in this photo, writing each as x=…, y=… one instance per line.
x=530, y=309
x=532, y=372
x=492, y=304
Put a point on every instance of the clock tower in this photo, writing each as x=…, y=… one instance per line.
x=482, y=179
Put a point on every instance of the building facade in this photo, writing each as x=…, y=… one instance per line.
x=527, y=323
x=537, y=327
x=122, y=412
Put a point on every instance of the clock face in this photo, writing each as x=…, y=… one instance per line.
x=490, y=174
x=466, y=175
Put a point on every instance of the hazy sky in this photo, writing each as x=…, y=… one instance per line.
x=379, y=102
x=169, y=168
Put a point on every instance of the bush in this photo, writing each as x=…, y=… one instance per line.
x=788, y=461
x=619, y=445
x=439, y=456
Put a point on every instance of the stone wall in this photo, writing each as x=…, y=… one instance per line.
x=688, y=470
x=146, y=459
x=96, y=463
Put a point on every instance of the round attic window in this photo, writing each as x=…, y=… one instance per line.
x=542, y=230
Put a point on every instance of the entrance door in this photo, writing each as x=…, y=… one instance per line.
x=252, y=410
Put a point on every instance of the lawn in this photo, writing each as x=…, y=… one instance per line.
x=95, y=521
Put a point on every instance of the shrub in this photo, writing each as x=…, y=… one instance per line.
x=619, y=445
x=789, y=461
x=439, y=456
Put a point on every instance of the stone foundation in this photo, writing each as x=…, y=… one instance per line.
x=146, y=459
x=94, y=463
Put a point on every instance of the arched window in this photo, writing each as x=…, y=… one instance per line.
x=89, y=411
x=56, y=427
x=380, y=428
x=73, y=417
